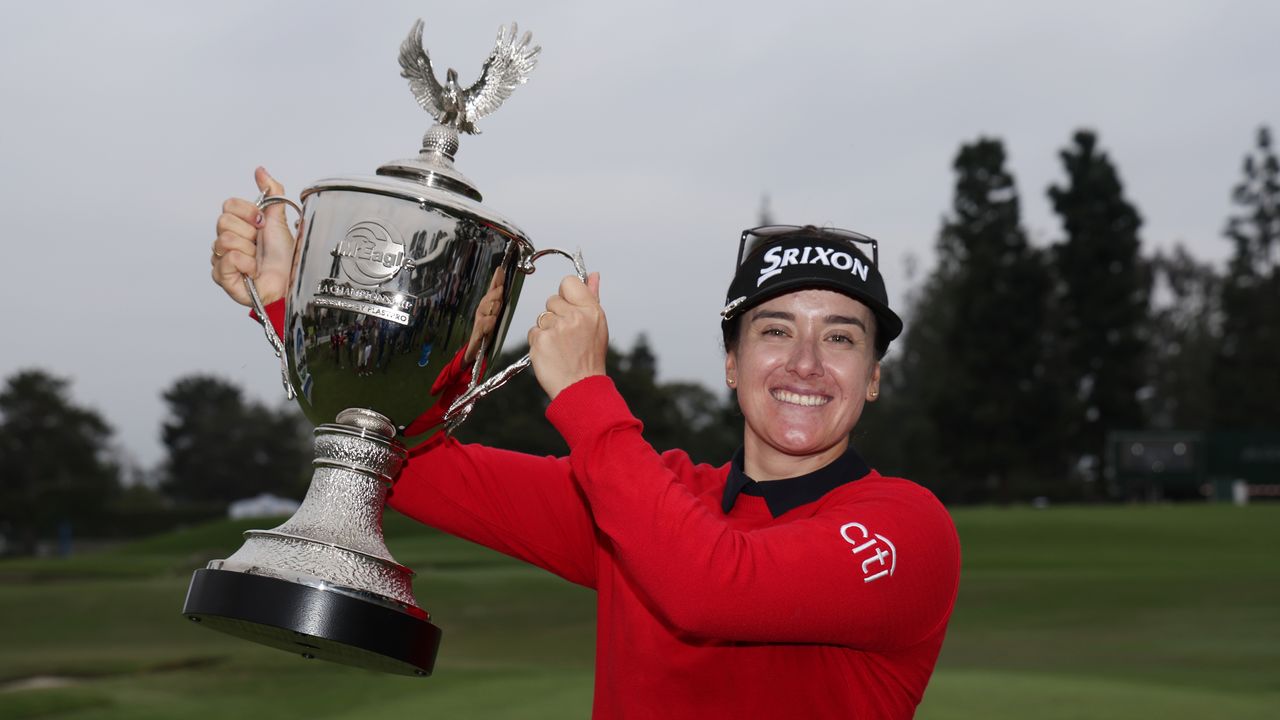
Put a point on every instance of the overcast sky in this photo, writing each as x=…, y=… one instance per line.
x=646, y=136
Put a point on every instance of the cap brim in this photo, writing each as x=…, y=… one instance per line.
x=888, y=324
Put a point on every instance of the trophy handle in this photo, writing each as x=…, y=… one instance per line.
x=263, y=202
x=461, y=408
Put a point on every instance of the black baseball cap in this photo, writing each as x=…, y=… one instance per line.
x=777, y=259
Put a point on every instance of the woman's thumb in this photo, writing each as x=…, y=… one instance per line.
x=266, y=183
x=270, y=186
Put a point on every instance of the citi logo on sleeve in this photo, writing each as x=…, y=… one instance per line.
x=777, y=258
x=879, y=557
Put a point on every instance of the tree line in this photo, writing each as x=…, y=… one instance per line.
x=60, y=473
x=1017, y=361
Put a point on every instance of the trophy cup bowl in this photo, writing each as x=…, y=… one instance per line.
x=388, y=276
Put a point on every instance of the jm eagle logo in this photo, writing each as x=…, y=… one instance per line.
x=371, y=254
x=879, y=557
x=779, y=258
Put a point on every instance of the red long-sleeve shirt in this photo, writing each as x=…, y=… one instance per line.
x=708, y=605
x=835, y=608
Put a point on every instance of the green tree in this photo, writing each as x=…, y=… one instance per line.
x=680, y=415
x=1246, y=383
x=1183, y=342
x=55, y=466
x=896, y=433
x=972, y=388
x=221, y=448
x=1102, y=301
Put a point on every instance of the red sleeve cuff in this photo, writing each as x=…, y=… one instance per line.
x=587, y=408
x=275, y=313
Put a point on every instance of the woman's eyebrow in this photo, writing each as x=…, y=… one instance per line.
x=830, y=319
x=772, y=315
x=846, y=320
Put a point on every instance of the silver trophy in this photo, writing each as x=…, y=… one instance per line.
x=386, y=284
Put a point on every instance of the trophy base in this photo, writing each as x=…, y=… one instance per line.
x=315, y=623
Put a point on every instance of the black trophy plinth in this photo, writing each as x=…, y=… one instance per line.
x=315, y=623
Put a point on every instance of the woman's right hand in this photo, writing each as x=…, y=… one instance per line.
x=236, y=252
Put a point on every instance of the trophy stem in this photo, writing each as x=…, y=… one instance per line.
x=319, y=583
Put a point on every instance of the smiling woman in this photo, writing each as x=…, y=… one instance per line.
x=792, y=581
x=817, y=321
x=803, y=371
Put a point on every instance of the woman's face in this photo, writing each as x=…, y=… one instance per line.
x=804, y=367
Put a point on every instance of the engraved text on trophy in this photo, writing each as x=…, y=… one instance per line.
x=369, y=255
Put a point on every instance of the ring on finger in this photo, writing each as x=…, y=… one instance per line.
x=538, y=322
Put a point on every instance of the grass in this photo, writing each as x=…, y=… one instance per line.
x=1114, y=612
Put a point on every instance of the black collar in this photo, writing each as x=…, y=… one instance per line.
x=783, y=495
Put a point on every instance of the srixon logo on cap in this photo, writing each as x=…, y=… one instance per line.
x=778, y=258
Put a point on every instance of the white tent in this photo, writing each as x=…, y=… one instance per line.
x=264, y=505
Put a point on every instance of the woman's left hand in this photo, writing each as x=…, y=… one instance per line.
x=571, y=338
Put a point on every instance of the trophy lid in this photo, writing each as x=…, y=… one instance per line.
x=433, y=166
